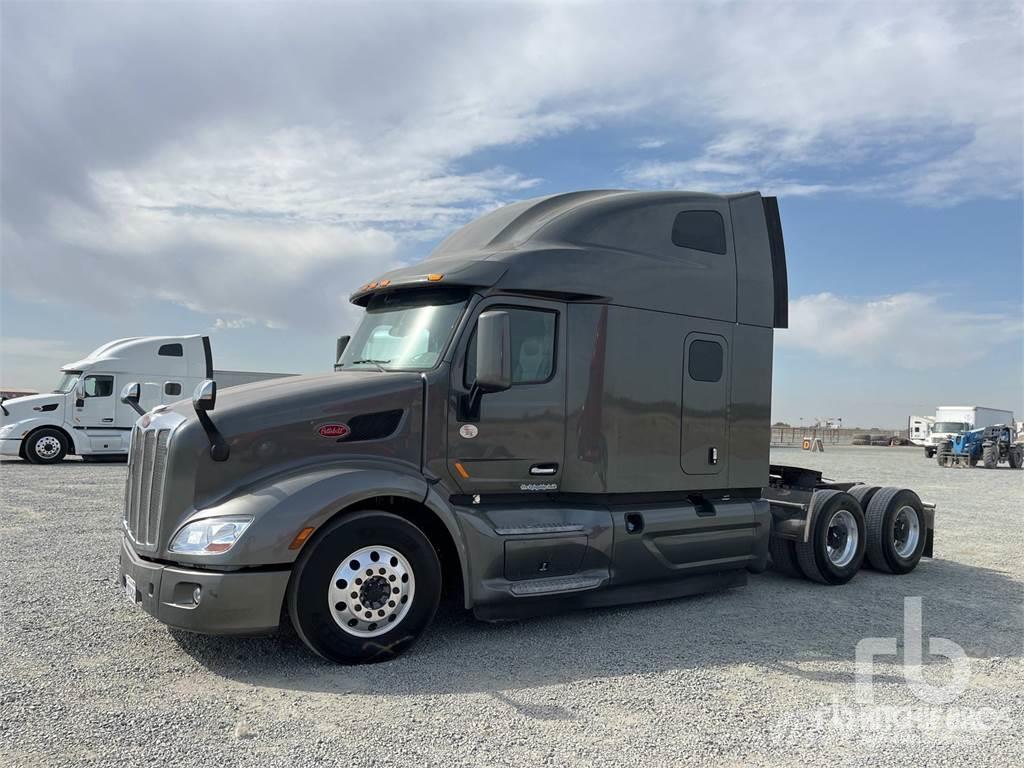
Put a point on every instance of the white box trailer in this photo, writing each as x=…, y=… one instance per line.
x=84, y=415
x=951, y=420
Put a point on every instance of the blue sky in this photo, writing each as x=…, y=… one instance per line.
x=237, y=169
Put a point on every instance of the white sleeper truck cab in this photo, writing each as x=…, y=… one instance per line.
x=84, y=415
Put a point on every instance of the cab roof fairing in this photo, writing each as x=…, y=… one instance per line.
x=609, y=245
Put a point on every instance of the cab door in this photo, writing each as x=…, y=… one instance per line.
x=95, y=402
x=515, y=441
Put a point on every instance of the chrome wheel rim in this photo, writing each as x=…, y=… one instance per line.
x=371, y=591
x=906, y=531
x=841, y=539
x=47, y=447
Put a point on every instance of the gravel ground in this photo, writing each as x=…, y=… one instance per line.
x=760, y=675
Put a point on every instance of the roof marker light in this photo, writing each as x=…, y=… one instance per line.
x=434, y=277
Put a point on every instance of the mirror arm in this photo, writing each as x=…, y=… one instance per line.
x=135, y=405
x=219, y=450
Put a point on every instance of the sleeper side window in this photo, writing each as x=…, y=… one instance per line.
x=705, y=361
x=99, y=386
x=700, y=230
x=170, y=350
x=533, y=346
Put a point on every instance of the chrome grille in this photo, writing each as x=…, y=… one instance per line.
x=144, y=490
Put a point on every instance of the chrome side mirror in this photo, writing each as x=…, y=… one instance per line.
x=204, y=398
x=131, y=394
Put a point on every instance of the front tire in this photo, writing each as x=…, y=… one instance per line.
x=391, y=569
x=835, y=549
x=990, y=456
x=896, y=530
x=46, y=446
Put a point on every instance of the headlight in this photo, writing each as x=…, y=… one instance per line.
x=212, y=536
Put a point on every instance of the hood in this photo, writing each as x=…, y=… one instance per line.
x=276, y=425
x=32, y=406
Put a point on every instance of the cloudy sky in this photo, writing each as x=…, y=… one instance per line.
x=237, y=168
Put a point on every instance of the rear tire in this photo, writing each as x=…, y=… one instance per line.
x=835, y=549
x=929, y=453
x=990, y=456
x=340, y=563
x=783, y=552
x=863, y=494
x=896, y=530
x=1016, y=457
x=46, y=446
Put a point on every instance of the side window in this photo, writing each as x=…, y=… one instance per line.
x=705, y=361
x=700, y=230
x=172, y=388
x=99, y=386
x=170, y=350
x=533, y=346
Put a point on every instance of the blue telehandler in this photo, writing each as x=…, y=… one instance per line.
x=989, y=446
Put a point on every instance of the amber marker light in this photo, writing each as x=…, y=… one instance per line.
x=301, y=539
x=462, y=471
x=434, y=277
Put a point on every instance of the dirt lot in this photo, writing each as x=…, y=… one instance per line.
x=758, y=675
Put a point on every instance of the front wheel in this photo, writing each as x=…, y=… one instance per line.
x=990, y=456
x=365, y=588
x=46, y=446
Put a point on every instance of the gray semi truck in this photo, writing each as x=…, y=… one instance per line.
x=565, y=405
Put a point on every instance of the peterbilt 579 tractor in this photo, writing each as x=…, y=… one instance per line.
x=565, y=405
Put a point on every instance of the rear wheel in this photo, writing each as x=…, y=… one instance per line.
x=365, y=589
x=46, y=446
x=1016, y=457
x=896, y=530
x=835, y=549
x=990, y=456
x=863, y=494
x=783, y=552
x=929, y=453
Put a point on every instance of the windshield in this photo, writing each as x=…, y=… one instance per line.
x=948, y=427
x=407, y=331
x=68, y=380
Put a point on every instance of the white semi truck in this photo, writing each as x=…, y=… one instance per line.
x=84, y=414
x=951, y=420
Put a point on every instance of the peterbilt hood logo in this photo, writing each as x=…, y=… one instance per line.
x=336, y=431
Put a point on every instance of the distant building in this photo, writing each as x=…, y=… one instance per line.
x=8, y=392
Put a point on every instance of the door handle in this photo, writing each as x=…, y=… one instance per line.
x=543, y=469
x=108, y=419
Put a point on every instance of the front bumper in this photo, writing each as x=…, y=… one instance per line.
x=247, y=602
x=10, y=446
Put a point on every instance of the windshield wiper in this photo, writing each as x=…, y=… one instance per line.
x=375, y=363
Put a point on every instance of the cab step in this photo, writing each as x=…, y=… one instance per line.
x=555, y=585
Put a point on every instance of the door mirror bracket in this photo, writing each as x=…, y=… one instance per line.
x=493, y=361
x=130, y=395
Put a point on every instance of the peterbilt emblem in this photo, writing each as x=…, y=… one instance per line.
x=334, y=430
x=469, y=431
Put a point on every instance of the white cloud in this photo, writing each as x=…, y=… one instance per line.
x=264, y=171
x=907, y=330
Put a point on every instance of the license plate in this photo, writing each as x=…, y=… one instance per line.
x=129, y=589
